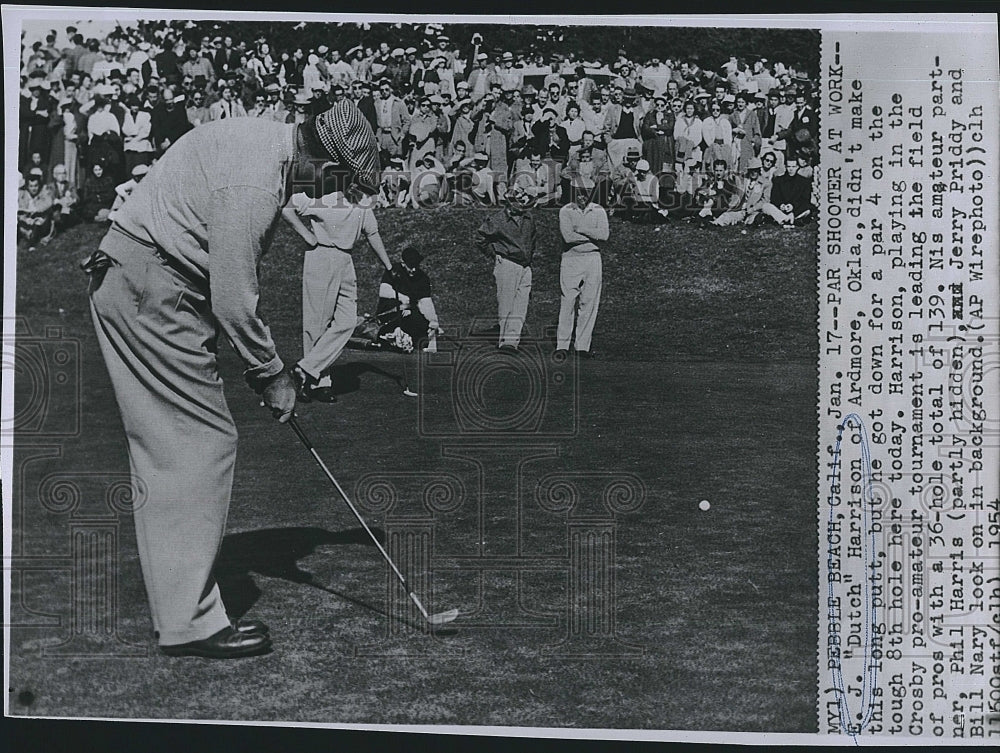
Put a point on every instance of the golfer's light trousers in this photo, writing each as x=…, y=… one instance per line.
x=580, y=276
x=513, y=292
x=157, y=334
x=329, y=309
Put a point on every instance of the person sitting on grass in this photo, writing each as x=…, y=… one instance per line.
x=623, y=182
x=98, y=195
x=395, y=184
x=429, y=186
x=791, y=196
x=755, y=195
x=124, y=190
x=65, y=198
x=460, y=175
x=34, y=211
x=718, y=194
x=483, y=188
x=645, y=206
x=404, y=302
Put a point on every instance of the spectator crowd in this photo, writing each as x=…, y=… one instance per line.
x=658, y=136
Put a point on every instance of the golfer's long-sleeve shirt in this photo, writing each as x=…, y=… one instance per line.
x=581, y=227
x=511, y=236
x=210, y=204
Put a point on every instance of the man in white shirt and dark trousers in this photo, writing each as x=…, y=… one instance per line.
x=584, y=226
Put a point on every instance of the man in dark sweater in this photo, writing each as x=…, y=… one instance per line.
x=404, y=300
x=791, y=195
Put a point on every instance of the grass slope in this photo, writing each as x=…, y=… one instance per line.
x=706, y=390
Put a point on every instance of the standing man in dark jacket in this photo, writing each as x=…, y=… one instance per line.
x=510, y=237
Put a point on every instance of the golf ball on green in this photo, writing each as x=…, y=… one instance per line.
x=704, y=505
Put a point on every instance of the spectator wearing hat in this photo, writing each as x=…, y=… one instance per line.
x=482, y=77
x=590, y=162
x=746, y=135
x=360, y=65
x=509, y=238
x=33, y=119
x=622, y=125
x=646, y=207
x=657, y=130
x=404, y=301
x=398, y=70
x=510, y=77
x=35, y=209
x=464, y=128
x=584, y=228
x=717, y=133
x=198, y=65
x=101, y=123
x=137, y=129
x=623, y=189
x=392, y=118
x=124, y=190
x=756, y=193
x=102, y=68
x=64, y=198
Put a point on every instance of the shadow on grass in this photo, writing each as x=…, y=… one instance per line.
x=347, y=378
x=275, y=552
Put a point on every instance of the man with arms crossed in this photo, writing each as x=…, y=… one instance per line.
x=584, y=226
x=178, y=265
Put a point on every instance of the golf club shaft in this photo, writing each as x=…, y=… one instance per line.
x=309, y=446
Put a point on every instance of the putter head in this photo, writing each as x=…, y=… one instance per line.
x=443, y=618
x=410, y=393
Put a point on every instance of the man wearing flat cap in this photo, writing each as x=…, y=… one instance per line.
x=177, y=269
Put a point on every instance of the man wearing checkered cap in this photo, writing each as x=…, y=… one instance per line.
x=178, y=266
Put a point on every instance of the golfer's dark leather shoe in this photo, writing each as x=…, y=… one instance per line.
x=226, y=644
x=250, y=626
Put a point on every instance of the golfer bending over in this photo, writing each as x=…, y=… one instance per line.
x=329, y=282
x=178, y=266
